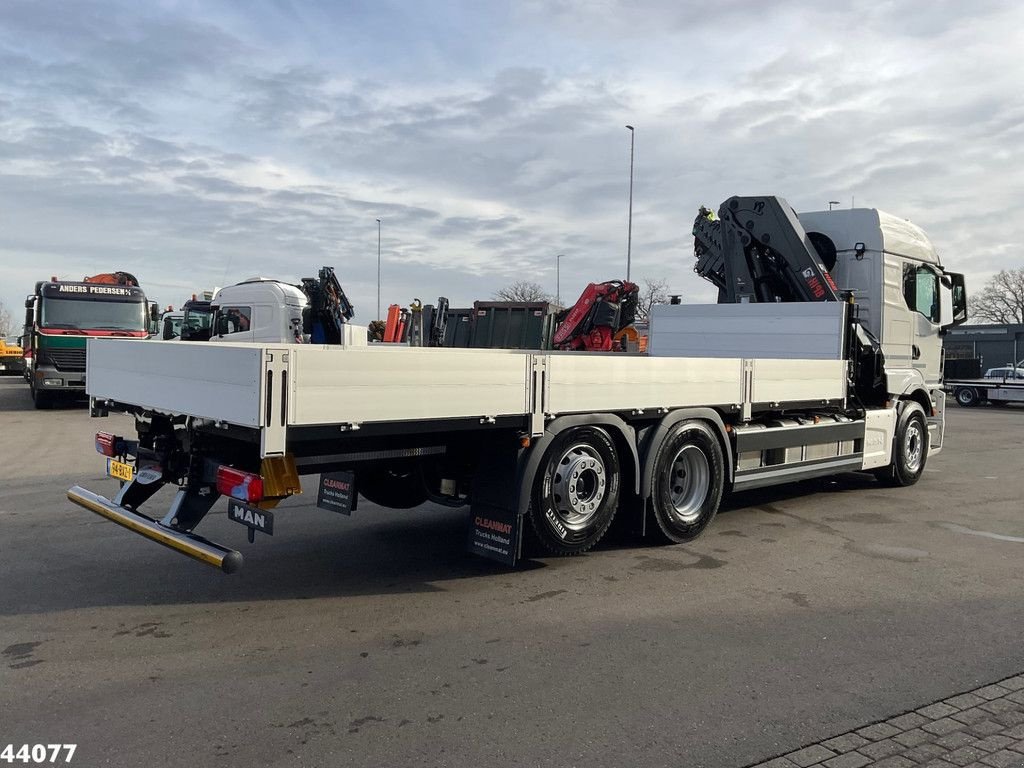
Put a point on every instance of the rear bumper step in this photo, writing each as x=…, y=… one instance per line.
x=228, y=560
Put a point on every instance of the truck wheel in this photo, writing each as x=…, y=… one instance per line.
x=42, y=398
x=967, y=397
x=910, y=448
x=392, y=487
x=689, y=476
x=576, y=492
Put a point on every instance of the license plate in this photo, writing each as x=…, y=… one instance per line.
x=120, y=470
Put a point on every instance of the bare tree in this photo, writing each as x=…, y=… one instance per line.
x=653, y=291
x=523, y=290
x=6, y=323
x=1002, y=298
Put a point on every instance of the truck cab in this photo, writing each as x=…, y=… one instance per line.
x=259, y=310
x=897, y=282
x=171, y=325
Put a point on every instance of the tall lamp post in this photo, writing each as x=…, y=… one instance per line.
x=558, y=280
x=378, y=269
x=629, y=226
x=831, y=203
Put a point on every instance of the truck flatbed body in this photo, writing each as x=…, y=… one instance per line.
x=972, y=392
x=276, y=387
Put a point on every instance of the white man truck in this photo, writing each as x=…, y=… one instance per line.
x=789, y=377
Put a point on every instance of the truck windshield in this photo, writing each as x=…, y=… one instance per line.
x=84, y=314
x=198, y=321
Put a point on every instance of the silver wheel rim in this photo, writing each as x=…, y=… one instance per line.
x=913, y=446
x=579, y=486
x=689, y=482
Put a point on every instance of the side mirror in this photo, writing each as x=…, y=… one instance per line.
x=958, y=294
x=220, y=325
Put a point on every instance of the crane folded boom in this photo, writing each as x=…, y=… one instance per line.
x=756, y=250
x=599, y=314
x=329, y=307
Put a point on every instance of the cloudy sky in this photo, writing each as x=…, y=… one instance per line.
x=198, y=143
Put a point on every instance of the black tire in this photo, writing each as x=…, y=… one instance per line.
x=909, y=448
x=688, y=482
x=576, y=492
x=392, y=487
x=42, y=399
x=967, y=397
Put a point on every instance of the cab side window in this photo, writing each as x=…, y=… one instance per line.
x=921, y=291
x=234, y=320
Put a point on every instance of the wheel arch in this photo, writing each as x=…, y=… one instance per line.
x=654, y=436
x=919, y=396
x=622, y=434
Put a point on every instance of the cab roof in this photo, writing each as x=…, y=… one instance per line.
x=878, y=230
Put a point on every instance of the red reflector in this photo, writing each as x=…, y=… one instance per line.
x=107, y=444
x=238, y=484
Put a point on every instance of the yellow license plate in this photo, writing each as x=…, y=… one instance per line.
x=120, y=470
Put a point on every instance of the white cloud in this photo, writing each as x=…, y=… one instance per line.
x=198, y=146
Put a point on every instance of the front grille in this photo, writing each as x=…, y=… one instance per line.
x=67, y=359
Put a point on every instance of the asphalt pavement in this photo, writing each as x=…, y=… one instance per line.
x=805, y=611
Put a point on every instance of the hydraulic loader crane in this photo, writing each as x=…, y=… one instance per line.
x=329, y=307
x=603, y=310
x=756, y=250
x=113, y=278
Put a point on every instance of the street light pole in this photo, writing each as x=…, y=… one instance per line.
x=831, y=203
x=629, y=230
x=558, y=280
x=378, y=269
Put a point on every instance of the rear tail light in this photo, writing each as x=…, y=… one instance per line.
x=238, y=484
x=109, y=445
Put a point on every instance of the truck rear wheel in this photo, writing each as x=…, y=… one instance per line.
x=689, y=476
x=576, y=492
x=967, y=397
x=909, y=450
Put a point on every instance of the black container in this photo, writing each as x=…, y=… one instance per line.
x=512, y=325
x=459, y=331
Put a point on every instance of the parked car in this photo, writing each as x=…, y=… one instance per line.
x=1005, y=372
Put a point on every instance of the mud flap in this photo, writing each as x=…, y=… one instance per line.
x=496, y=526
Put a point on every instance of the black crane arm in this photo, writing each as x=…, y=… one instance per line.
x=329, y=307
x=756, y=250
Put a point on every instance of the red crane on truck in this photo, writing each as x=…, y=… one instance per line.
x=602, y=310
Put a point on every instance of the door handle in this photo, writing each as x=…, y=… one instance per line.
x=917, y=352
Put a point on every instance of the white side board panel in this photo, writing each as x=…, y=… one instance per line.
x=798, y=330
x=602, y=382
x=778, y=381
x=334, y=385
x=216, y=381
x=378, y=383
